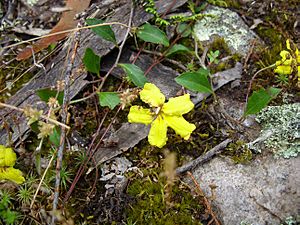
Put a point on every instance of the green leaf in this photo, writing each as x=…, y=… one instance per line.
x=47, y=93
x=195, y=81
x=55, y=137
x=177, y=48
x=135, y=74
x=91, y=61
x=103, y=31
x=150, y=33
x=260, y=99
x=184, y=29
x=110, y=99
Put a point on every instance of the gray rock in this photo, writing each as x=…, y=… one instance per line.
x=226, y=24
x=264, y=192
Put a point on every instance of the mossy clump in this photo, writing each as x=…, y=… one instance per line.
x=239, y=152
x=150, y=206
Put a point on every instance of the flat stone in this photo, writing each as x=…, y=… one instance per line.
x=226, y=24
x=265, y=191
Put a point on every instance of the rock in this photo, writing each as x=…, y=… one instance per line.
x=266, y=191
x=226, y=24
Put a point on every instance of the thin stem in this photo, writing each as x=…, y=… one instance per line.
x=65, y=31
x=42, y=116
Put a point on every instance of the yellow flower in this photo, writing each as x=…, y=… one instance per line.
x=12, y=174
x=290, y=61
x=7, y=156
x=164, y=115
x=7, y=161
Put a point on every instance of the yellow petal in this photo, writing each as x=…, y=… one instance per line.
x=138, y=114
x=178, y=105
x=11, y=174
x=158, y=132
x=152, y=95
x=288, y=45
x=284, y=70
x=7, y=156
x=180, y=125
x=297, y=55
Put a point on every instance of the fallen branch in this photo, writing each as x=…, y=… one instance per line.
x=203, y=158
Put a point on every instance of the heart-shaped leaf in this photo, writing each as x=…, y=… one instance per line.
x=103, y=31
x=135, y=74
x=110, y=99
x=91, y=61
x=153, y=34
x=260, y=99
x=177, y=48
x=47, y=93
x=195, y=81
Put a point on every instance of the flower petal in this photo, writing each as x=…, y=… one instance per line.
x=297, y=55
x=152, y=95
x=11, y=174
x=138, y=114
x=158, y=132
x=286, y=70
x=178, y=105
x=7, y=156
x=180, y=125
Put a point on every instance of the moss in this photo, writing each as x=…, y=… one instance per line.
x=275, y=40
x=239, y=152
x=150, y=208
x=221, y=45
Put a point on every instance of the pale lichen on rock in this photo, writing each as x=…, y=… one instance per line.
x=226, y=24
x=284, y=123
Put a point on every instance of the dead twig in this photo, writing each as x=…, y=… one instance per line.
x=203, y=158
x=64, y=115
x=205, y=201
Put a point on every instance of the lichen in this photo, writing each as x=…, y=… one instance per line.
x=227, y=24
x=283, y=122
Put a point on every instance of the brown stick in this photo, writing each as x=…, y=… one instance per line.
x=203, y=158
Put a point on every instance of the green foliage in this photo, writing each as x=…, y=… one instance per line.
x=177, y=48
x=184, y=29
x=183, y=18
x=54, y=137
x=25, y=195
x=220, y=3
x=213, y=56
x=6, y=214
x=260, y=99
x=65, y=177
x=91, y=61
x=46, y=93
x=110, y=99
x=282, y=79
x=152, y=34
x=135, y=74
x=103, y=31
x=150, y=8
x=195, y=81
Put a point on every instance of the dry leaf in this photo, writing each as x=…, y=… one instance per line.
x=66, y=22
